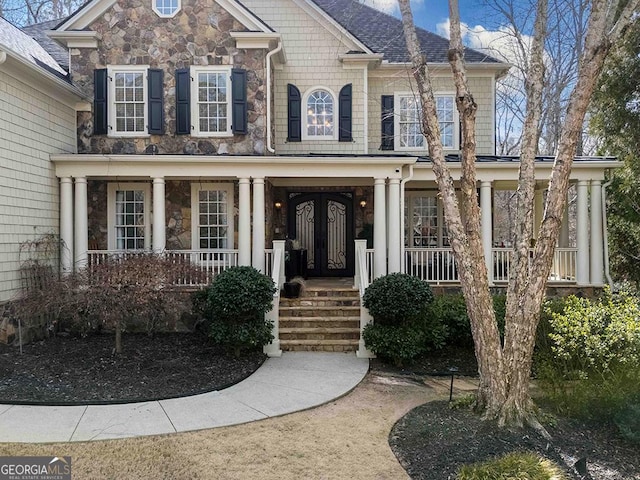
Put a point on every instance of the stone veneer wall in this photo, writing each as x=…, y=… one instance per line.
x=131, y=33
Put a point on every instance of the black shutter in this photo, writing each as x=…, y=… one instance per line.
x=100, y=88
x=294, y=114
x=155, y=92
x=183, y=106
x=387, y=123
x=239, y=120
x=345, y=111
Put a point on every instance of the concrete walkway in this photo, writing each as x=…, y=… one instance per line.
x=296, y=381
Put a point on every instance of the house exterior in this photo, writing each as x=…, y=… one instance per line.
x=219, y=128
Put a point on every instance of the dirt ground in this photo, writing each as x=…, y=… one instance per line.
x=345, y=439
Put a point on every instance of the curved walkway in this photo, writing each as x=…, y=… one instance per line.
x=296, y=381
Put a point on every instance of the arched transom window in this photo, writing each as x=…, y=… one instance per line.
x=320, y=114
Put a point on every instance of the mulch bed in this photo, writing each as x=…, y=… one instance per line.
x=435, y=363
x=67, y=370
x=432, y=442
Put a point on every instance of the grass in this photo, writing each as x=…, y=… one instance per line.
x=513, y=466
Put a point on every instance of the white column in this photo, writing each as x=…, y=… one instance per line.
x=538, y=211
x=244, y=223
x=379, y=228
x=66, y=225
x=258, y=225
x=394, y=226
x=582, y=235
x=159, y=235
x=597, y=243
x=81, y=228
x=487, y=226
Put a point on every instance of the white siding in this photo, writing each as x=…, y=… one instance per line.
x=32, y=126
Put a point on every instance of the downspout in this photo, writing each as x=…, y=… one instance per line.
x=270, y=148
x=366, y=109
x=402, y=243
x=605, y=233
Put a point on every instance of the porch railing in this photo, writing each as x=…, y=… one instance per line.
x=363, y=277
x=563, y=268
x=209, y=262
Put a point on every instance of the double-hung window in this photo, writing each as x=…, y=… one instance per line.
x=211, y=94
x=424, y=221
x=128, y=108
x=408, y=122
x=212, y=216
x=128, y=216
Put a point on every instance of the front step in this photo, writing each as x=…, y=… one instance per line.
x=323, y=319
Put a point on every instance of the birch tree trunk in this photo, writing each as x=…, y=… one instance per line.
x=505, y=370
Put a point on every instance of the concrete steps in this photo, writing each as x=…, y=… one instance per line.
x=323, y=319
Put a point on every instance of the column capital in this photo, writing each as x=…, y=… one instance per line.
x=158, y=179
x=244, y=180
x=380, y=181
x=486, y=183
x=394, y=181
x=258, y=179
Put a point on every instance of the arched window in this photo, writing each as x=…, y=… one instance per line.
x=321, y=115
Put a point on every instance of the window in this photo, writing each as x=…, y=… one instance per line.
x=211, y=93
x=128, y=216
x=424, y=221
x=320, y=115
x=166, y=8
x=408, y=122
x=212, y=216
x=128, y=110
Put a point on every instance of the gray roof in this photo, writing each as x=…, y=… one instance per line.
x=383, y=33
x=57, y=51
x=18, y=42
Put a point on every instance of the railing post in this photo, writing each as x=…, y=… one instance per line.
x=277, y=275
x=361, y=249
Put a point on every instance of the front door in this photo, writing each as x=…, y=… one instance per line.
x=323, y=225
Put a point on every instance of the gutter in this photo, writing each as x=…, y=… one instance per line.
x=403, y=182
x=605, y=231
x=270, y=148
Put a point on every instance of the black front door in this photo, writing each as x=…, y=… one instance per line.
x=322, y=223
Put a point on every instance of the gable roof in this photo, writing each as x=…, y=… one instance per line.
x=57, y=51
x=383, y=33
x=18, y=43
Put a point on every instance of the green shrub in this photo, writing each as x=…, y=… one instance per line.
x=234, y=306
x=396, y=343
x=397, y=299
x=590, y=364
x=515, y=465
x=628, y=422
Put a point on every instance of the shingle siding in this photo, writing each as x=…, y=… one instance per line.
x=32, y=126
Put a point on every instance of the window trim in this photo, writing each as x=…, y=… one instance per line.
x=154, y=6
x=396, y=123
x=195, y=113
x=440, y=226
x=112, y=188
x=196, y=188
x=336, y=115
x=112, y=70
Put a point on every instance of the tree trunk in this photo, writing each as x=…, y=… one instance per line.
x=505, y=371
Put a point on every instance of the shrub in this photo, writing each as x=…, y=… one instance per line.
x=591, y=363
x=396, y=343
x=515, y=465
x=628, y=422
x=397, y=299
x=234, y=305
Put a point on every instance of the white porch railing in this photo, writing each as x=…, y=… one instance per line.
x=209, y=262
x=363, y=277
x=268, y=261
x=276, y=266
x=437, y=265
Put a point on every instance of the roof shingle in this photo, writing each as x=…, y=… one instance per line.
x=57, y=51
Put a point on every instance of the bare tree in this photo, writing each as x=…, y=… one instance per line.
x=28, y=12
x=505, y=369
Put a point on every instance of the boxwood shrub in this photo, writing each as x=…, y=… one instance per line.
x=233, y=307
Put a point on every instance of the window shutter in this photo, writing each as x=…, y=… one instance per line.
x=294, y=114
x=387, y=123
x=239, y=120
x=155, y=91
x=345, y=119
x=100, y=88
x=183, y=106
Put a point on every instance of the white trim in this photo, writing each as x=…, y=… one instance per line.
x=112, y=71
x=396, y=123
x=249, y=40
x=196, y=188
x=112, y=188
x=154, y=7
x=245, y=16
x=80, y=39
x=305, y=125
x=194, y=71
